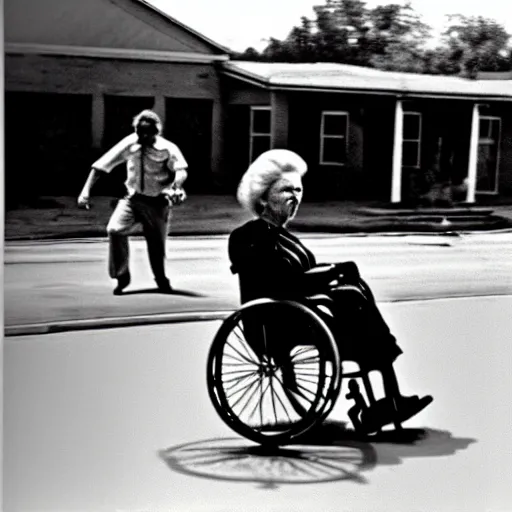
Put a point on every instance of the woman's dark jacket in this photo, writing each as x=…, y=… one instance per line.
x=269, y=260
x=272, y=262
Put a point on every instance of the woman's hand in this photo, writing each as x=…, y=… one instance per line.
x=348, y=270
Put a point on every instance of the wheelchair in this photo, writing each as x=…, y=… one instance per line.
x=275, y=369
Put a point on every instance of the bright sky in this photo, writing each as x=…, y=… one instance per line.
x=239, y=24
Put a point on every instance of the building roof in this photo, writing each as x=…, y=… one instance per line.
x=118, y=29
x=215, y=45
x=344, y=77
x=495, y=75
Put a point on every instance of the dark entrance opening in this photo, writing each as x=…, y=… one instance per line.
x=47, y=145
x=189, y=125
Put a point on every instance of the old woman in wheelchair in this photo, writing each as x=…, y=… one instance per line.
x=276, y=270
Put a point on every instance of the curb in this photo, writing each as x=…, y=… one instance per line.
x=318, y=231
x=113, y=322
x=168, y=318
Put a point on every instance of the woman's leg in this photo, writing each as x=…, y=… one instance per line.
x=361, y=324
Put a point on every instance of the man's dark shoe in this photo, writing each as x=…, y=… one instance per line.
x=122, y=282
x=164, y=286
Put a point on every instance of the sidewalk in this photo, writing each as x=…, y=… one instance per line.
x=59, y=217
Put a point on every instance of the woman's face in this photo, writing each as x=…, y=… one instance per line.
x=283, y=199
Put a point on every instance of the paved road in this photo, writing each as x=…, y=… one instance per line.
x=120, y=420
x=54, y=282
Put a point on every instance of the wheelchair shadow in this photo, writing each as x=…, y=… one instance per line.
x=392, y=446
x=330, y=453
x=156, y=291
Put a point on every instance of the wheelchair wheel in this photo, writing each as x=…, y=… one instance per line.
x=273, y=368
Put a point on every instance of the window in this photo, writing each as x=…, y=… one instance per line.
x=488, y=154
x=333, y=138
x=260, y=131
x=411, y=143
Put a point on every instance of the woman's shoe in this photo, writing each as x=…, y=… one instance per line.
x=383, y=411
x=409, y=406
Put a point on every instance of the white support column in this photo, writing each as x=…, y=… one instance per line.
x=396, y=176
x=98, y=120
x=473, y=154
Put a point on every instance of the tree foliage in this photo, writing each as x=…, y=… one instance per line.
x=392, y=37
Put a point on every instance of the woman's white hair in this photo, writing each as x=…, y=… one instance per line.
x=264, y=172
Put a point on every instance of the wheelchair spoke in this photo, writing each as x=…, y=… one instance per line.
x=304, y=391
x=252, y=392
x=265, y=347
x=259, y=403
x=304, y=350
x=273, y=396
x=244, y=342
x=305, y=378
x=242, y=390
x=237, y=381
x=242, y=356
x=314, y=359
x=237, y=363
x=239, y=371
x=240, y=386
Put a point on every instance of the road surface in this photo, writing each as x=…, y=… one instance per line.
x=51, y=282
x=120, y=420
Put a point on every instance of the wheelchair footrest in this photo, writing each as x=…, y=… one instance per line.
x=369, y=419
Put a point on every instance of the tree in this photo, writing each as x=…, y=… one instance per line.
x=479, y=43
x=397, y=38
x=391, y=37
x=249, y=54
x=346, y=31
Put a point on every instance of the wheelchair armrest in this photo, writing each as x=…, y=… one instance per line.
x=321, y=299
x=320, y=276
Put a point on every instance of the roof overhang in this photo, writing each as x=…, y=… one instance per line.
x=112, y=53
x=270, y=85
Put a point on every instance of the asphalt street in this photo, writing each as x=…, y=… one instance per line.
x=120, y=420
x=54, y=282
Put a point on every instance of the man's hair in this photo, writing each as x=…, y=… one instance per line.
x=263, y=173
x=149, y=116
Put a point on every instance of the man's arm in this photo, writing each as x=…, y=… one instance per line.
x=84, y=197
x=175, y=192
x=113, y=157
x=178, y=166
x=181, y=176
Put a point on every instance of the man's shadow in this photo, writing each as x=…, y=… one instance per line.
x=327, y=453
x=157, y=291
